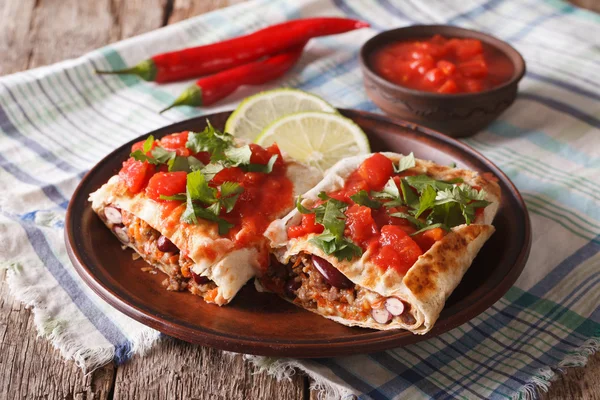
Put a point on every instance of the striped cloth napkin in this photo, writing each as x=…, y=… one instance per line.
x=56, y=122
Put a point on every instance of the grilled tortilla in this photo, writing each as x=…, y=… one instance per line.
x=415, y=298
x=201, y=261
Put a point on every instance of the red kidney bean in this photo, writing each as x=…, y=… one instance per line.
x=381, y=315
x=394, y=305
x=165, y=245
x=290, y=287
x=199, y=279
x=331, y=274
x=113, y=215
x=121, y=233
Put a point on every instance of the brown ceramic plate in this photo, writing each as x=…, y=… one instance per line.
x=262, y=323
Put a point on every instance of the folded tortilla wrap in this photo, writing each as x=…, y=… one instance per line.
x=423, y=290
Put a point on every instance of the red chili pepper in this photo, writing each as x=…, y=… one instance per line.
x=208, y=59
x=210, y=89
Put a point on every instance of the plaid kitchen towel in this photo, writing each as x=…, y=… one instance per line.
x=56, y=122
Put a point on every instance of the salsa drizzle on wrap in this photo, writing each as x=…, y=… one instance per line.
x=382, y=241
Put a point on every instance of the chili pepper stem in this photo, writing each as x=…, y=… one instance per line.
x=145, y=70
x=192, y=96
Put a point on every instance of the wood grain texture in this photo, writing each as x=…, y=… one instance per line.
x=40, y=32
x=15, y=43
x=177, y=370
x=30, y=368
x=184, y=9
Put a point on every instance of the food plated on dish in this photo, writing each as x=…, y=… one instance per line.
x=195, y=206
x=382, y=241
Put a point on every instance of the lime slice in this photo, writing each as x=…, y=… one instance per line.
x=316, y=138
x=256, y=112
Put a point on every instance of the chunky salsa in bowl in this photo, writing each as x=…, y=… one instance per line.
x=451, y=79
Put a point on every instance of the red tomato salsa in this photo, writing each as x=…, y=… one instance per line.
x=263, y=197
x=442, y=65
x=391, y=241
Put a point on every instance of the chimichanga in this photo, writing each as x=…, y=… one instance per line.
x=382, y=241
x=195, y=206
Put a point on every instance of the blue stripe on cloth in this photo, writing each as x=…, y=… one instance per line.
x=476, y=11
x=105, y=80
x=543, y=141
x=563, y=269
x=406, y=378
x=563, y=84
x=352, y=380
x=83, y=129
x=391, y=8
x=562, y=107
x=49, y=190
x=90, y=105
x=11, y=131
x=348, y=10
x=535, y=23
x=103, y=324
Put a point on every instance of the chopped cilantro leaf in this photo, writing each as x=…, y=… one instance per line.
x=362, y=198
x=409, y=197
x=267, y=169
x=238, y=155
x=198, y=189
x=420, y=182
x=428, y=227
x=301, y=208
x=426, y=200
x=405, y=163
x=210, y=170
x=147, y=146
x=178, y=197
x=210, y=140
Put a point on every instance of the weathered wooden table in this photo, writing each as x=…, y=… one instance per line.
x=39, y=32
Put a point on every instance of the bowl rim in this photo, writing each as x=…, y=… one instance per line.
x=394, y=34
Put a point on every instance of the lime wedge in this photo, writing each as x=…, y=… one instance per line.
x=316, y=138
x=256, y=112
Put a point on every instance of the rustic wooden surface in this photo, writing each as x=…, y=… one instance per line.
x=40, y=32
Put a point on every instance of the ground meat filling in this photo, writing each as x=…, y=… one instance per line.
x=147, y=242
x=302, y=281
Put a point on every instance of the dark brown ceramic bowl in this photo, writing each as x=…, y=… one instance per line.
x=262, y=323
x=456, y=115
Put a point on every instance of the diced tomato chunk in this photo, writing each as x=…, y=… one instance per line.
x=467, y=48
x=307, y=226
x=448, y=87
x=376, y=171
x=232, y=174
x=261, y=155
x=435, y=76
x=396, y=250
x=446, y=67
x=360, y=224
x=176, y=142
x=140, y=146
x=167, y=184
x=203, y=157
x=473, y=68
x=428, y=238
x=136, y=174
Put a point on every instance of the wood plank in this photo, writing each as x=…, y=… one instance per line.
x=577, y=383
x=184, y=9
x=31, y=368
x=15, y=43
x=174, y=369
